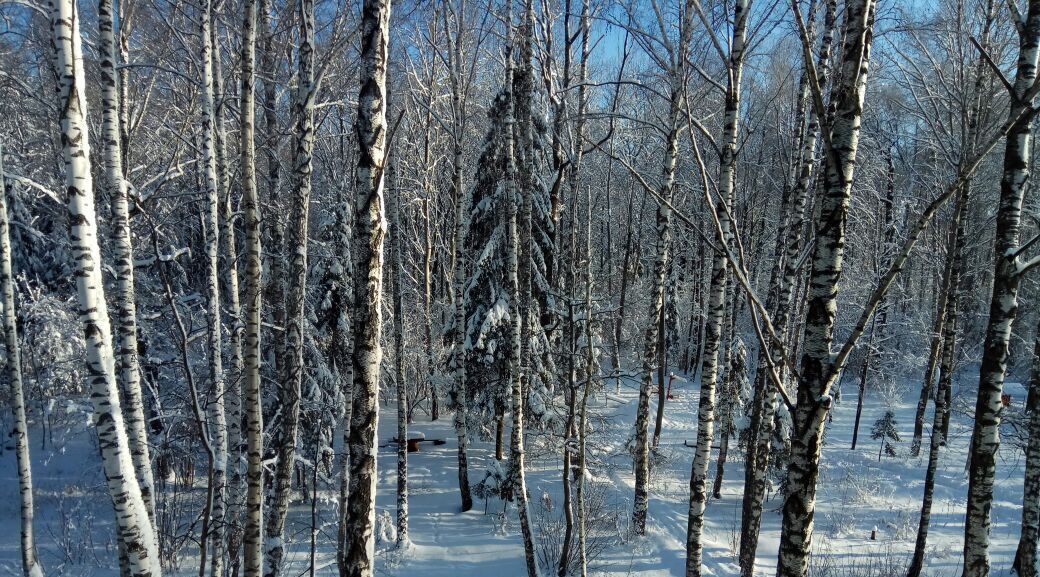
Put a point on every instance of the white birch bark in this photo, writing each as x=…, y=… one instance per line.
x=653, y=334
x=396, y=245
x=716, y=305
x=817, y=370
x=458, y=353
x=252, y=403
x=291, y=372
x=134, y=527
x=19, y=431
x=230, y=530
x=369, y=233
x=590, y=365
x=216, y=417
x=1003, y=304
x=129, y=369
x=519, y=250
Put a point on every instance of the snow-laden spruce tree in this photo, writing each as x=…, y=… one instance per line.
x=487, y=292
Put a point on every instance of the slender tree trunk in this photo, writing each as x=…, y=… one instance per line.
x=657, y=303
x=30, y=561
x=662, y=370
x=576, y=154
x=716, y=304
x=818, y=372
x=520, y=257
x=590, y=358
x=867, y=347
x=458, y=351
x=397, y=246
x=128, y=366
x=938, y=438
x=231, y=528
x=1003, y=305
x=428, y=248
x=133, y=525
x=217, y=420
x=291, y=372
x=369, y=232
x=251, y=393
x=764, y=400
x=934, y=351
x=1026, y=562
x=619, y=322
x=730, y=396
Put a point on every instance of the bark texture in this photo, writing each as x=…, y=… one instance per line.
x=369, y=233
x=817, y=369
x=133, y=526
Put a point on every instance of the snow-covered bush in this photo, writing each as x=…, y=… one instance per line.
x=605, y=527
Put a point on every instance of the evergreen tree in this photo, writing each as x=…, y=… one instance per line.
x=885, y=430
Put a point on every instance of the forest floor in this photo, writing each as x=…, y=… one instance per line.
x=857, y=493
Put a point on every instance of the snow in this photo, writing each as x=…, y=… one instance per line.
x=856, y=494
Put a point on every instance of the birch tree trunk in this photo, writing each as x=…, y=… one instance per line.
x=133, y=525
x=576, y=155
x=251, y=393
x=369, y=233
x=519, y=252
x=716, y=301
x=397, y=245
x=458, y=352
x=938, y=437
x=590, y=362
x=230, y=529
x=934, y=352
x=217, y=421
x=1026, y=562
x=764, y=401
x=128, y=367
x=818, y=373
x=19, y=431
x=653, y=333
x=291, y=372
x=1003, y=305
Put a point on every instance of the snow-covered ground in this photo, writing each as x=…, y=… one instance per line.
x=857, y=493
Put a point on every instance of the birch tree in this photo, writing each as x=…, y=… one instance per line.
x=396, y=248
x=291, y=373
x=20, y=428
x=817, y=372
x=251, y=390
x=716, y=306
x=1008, y=269
x=216, y=417
x=457, y=75
x=764, y=401
x=133, y=525
x=128, y=366
x=519, y=249
x=369, y=232
x=676, y=74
